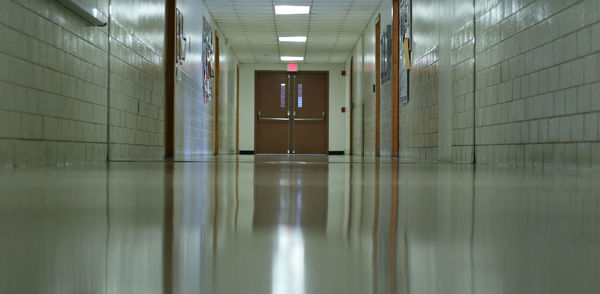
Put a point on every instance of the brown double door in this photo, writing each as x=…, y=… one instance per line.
x=291, y=112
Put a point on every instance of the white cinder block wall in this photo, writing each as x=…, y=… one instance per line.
x=53, y=84
x=194, y=119
x=136, y=82
x=357, y=99
x=364, y=98
x=67, y=93
x=538, y=87
x=227, y=100
x=534, y=66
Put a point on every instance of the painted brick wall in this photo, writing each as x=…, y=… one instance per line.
x=533, y=68
x=368, y=96
x=194, y=120
x=53, y=80
x=136, y=83
x=462, y=90
x=194, y=128
x=227, y=102
x=418, y=118
x=67, y=91
x=357, y=100
x=537, y=83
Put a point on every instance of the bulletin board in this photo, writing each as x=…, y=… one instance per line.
x=405, y=49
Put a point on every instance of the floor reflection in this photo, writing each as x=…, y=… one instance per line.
x=305, y=225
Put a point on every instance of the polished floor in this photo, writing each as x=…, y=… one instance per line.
x=298, y=225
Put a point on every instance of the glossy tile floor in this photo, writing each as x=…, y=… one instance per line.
x=292, y=225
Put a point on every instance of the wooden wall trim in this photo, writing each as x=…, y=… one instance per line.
x=170, y=79
x=395, y=79
x=237, y=110
x=378, y=86
x=217, y=75
x=351, y=106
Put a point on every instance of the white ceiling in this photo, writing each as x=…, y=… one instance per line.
x=252, y=28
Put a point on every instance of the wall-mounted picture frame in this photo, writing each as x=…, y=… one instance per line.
x=386, y=55
x=180, y=43
x=405, y=38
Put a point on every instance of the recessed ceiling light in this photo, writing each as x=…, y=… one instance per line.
x=292, y=58
x=291, y=9
x=297, y=39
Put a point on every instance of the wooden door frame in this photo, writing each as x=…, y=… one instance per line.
x=237, y=110
x=378, y=86
x=256, y=72
x=217, y=74
x=395, y=79
x=170, y=40
x=351, y=108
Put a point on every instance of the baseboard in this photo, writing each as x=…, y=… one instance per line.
x=336, y=152
x=246, y=152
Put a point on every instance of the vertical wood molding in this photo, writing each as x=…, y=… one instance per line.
x=351, y=106
x=237, y=110
x=170, y=37
x=378, y=86
x=395, y=79
x=217, y=76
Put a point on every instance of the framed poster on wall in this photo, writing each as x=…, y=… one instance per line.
x=386, y=54
x=405, y=49
x=208, y=61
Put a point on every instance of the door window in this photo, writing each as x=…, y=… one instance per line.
x=299, y=95
x=282, y=101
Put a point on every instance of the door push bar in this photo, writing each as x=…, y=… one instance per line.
x=323, y=117
x=274, y=118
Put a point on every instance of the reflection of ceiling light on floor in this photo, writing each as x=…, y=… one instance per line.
x=288, y=262
x=291, y=9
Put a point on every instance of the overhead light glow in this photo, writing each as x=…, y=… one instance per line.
x=297, y=39
x=291, y=9
x=292, y=58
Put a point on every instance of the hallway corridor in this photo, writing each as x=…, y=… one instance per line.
x=299, y=224
x=299, y=146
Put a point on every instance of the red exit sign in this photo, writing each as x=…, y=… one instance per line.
x=292, y=67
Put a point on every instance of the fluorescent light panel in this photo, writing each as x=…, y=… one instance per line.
x=292, y=58
x=297, y=39
x=291, y=9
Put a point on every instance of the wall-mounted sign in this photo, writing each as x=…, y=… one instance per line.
x=292, y=67
x=182, y=44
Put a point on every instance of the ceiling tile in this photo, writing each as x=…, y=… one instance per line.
x=252, y=28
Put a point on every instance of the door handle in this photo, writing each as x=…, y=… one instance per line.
x=323, y=117
x=273, y=118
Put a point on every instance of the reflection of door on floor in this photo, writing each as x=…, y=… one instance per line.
x=291, y=112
